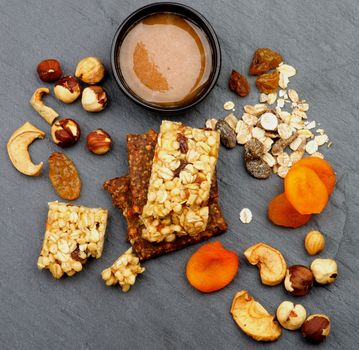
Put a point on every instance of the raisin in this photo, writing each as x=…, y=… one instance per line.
x=64, y=176
x=268, y=83
x=253, y=149
x=75, y=255
x=182, y=140
x=182, y=165
x=264, y=60
x=238, y=83
x=258, y=168
x=228, y=136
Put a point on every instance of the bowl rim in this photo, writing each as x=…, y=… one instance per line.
x=204, y=25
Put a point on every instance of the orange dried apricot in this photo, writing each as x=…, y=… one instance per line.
x=282, y=213
x=211, y=267
x=322, y=168
x=305, y=190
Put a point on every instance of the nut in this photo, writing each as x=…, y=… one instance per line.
x=325, y=271
x=314, y=242
x=270, y=261
x=316, y=328
x=94, y=99
x=65, y=132
x=99, y=142
x=17, y=148
x=67, y=89
x=291, y=316
x=45, y=112
x=298, y=280
x=253, y=319
x=49, y=70
x=90, y=70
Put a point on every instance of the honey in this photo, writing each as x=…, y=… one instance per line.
x=166, y=60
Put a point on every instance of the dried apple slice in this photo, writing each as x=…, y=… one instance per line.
x=270, y=261
x=253, y=319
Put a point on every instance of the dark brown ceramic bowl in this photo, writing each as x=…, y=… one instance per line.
x=189, y=14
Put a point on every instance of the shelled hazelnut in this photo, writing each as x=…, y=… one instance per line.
x=316, y=328
x=94, y=99
x=67, y=89
x=99, y=142
x=314, y=242
x=65, y=132
x=298, y=280
x=291, y=316
x=49, y=70
x=325, y=271
x=90, y=70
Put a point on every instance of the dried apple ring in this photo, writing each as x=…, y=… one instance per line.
x=282, y=213
x=211, y=267
x=322, y=168
x=305, y=190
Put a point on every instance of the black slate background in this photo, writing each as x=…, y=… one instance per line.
x=162, y=311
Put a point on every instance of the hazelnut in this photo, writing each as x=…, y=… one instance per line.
x=67, y=89
x=90, y=70
x=316, y=328
x=291, y=316
x=94, y=99
x=99, y=142
x=325, y=271
x=49, y=70
x=65, y=132
x=314, y=242
x=298, y=280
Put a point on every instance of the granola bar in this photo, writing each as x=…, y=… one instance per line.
x=73, y=233
x=182, y=170
x=123, y=271
x=122, y=199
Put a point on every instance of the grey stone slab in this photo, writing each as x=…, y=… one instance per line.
x=162, y=311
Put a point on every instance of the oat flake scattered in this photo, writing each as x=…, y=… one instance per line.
x=311, y=147
x=321, y=139
x=245, y=216
x=228, y=105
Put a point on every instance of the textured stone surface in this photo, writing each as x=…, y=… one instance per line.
x=320, y=38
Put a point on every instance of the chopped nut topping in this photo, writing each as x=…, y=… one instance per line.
x=123, y=271
x=73, y=233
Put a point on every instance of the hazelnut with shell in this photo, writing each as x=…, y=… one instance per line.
x=67, y=89
x=316, y=328
x=99, y=142
x=49, y=70
x=291, y=316
x=90, y=70
x=94, y=99
x=314, y=242
x=298, y=280
x=325, y=271
x=65, y=132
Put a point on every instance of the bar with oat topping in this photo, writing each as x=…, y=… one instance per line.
x=182, y=171
x=73, y=234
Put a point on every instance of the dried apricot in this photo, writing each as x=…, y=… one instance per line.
x=64, y=176
x=264, y=60
x=239, y=84
x=268, y=83
x=282, y=213
x=211, y=267
x=305, y=190
x=322, y=168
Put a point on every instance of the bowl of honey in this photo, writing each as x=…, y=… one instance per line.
x=166, y=57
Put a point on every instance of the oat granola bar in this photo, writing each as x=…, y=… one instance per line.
x=182, y=170
x=121, y=198
x=73, y=234
x=123, y=271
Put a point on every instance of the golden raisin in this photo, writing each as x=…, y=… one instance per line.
x=268, y=83
x=64, y=176
x=264, y=60
x=239, y=84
